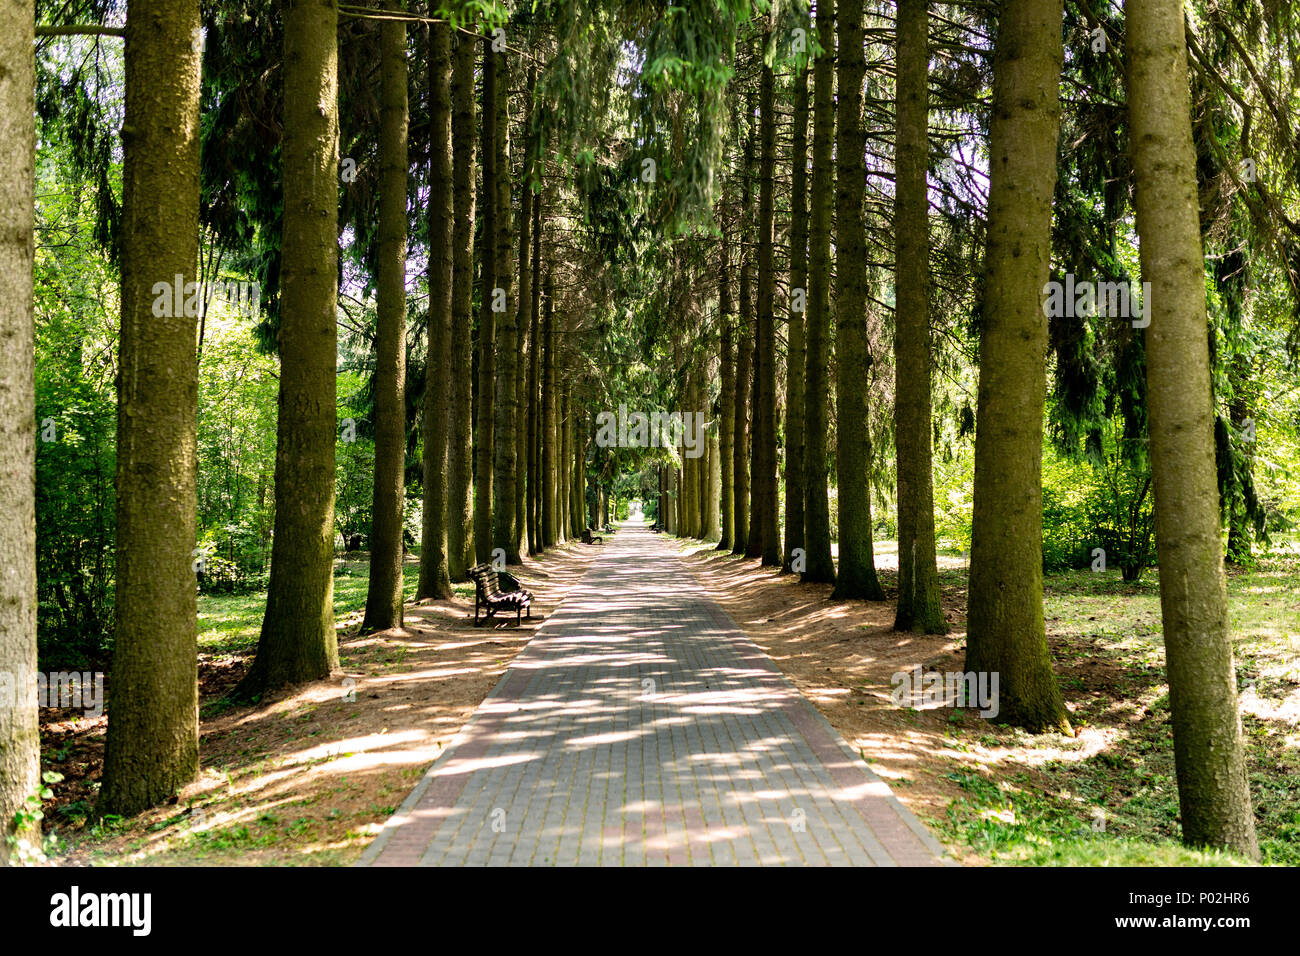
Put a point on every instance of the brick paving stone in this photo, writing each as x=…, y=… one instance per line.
x=640, y=726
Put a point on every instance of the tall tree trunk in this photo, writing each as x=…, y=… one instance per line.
x=686, y=402
x=1005, y=631
x=153, y=742
x=918, y=574
x=726, y=398
x=659, y=492
x=702, y=500
x=522, y=329
x=298, y=642
x=857, y=572
x=680, y=484
x=534, y=501
x=754, y=541
x=1213, y=788
x=563, y=469
x=713, y=512
x=661, y=506
x=765, y=481
x=460, y=449
x=701, y=494
x=384, y=593
x=579, y=485
x=550, y=524
x=670, y=484
x=484, y=413
x=19, y=735
x=435, y=579
x=506, y=403
x=794, y=369
x=744, y=354
x=819, y=565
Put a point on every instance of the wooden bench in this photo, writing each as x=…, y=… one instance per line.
x=589, y=536
x=498, y=591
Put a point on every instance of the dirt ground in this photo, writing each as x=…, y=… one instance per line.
x=310, y=777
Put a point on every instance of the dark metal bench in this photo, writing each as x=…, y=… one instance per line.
x=589, y=536
x=498, y=591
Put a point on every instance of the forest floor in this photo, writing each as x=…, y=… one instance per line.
x=992, y=794
x=306, y=778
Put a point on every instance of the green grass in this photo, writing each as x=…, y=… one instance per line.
x=230, y=623
x=1017, y=826
x=1109, y=656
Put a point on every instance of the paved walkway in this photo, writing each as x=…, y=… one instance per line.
x=640, y=726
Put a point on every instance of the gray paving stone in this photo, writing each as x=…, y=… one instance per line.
x=718, y=761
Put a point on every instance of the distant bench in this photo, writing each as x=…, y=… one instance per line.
x=498, y=591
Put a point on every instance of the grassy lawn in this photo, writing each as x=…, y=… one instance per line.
x=230, y=623
x=1110, y=797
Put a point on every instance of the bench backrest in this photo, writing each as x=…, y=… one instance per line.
x=485, y=577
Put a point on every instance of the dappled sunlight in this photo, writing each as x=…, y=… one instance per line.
x=311, y=775
x=652, y=710
x=1106, y=640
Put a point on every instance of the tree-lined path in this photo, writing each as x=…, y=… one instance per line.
x=639, y=727
x=310, y=307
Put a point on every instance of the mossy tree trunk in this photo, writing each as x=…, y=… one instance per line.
x=683, y=402
x=298, y=642
x=546, y=443
x=794, y=369
x=706, y=461
x=578, y=490
x=435, y=578
x=563, y=468
x=534, y=500
x=726, y=398
x=819, y=564
x=152, y=745
x=523, y=326
x=505, y=400
x=460, y=448
x=766, y=514
x=1005, y=631
x=857, y=573
x=484, y=412
x=919, y=606
x=1213, y=787
x=384, y=590
x=744, y=351
x=19, y=734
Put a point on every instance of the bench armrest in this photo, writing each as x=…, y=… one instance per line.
x=508, y=582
